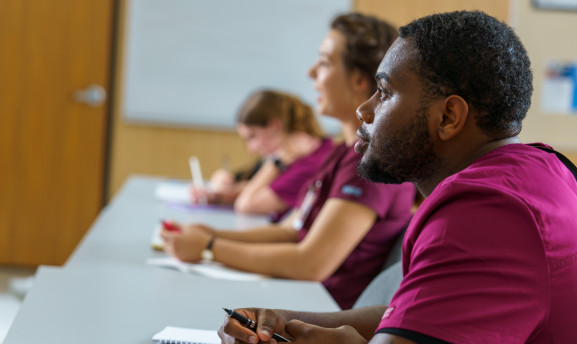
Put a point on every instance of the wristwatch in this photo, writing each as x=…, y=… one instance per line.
x=207, y=253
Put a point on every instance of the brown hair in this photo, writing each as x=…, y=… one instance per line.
x=367, y=40
x=263, y=105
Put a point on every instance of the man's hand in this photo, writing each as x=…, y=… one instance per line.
x=311, y=334
x=269, y=322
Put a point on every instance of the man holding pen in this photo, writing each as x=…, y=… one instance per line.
x=491, y=254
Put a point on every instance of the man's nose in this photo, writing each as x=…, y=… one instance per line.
x=365, y=111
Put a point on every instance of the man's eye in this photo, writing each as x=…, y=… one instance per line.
x=382, y=94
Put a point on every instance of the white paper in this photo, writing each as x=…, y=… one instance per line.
x=559, y=91
x=557, y=95
x=173, y=191
x=172, y=334
x=207, y=269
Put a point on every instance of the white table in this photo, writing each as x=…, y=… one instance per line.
x=121, y=234
x=121, y=305
x=106, y=293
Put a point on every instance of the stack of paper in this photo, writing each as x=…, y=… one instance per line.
x=181, y=335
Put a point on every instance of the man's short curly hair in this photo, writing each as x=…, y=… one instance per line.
x=475, y=56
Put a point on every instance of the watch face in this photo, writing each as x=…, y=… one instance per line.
x=207, y=255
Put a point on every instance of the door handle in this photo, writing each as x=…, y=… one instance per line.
x=93, y=95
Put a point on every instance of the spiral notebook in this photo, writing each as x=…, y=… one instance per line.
x=179, y=335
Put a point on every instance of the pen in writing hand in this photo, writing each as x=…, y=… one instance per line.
x=169, y=226
x=197, y=180
x=251, y=324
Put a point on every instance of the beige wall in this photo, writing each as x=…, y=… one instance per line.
x=161, y=151
x=164, y=151
x=547, y=35
x=401, y=12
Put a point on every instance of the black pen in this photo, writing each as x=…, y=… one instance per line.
x=251, y=324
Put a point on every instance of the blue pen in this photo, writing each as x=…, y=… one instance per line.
x=251, y=324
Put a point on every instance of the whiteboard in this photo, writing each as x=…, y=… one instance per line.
x=193, y=62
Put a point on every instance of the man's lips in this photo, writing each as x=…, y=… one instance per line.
x=361, y=146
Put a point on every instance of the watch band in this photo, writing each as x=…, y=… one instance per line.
x=210, y=243
x=207, y=253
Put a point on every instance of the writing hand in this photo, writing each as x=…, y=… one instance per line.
x=269, y=322
x=306, y=333
x=221, y=180
x=187, y=244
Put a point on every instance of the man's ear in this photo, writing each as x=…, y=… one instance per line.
x=454, y=116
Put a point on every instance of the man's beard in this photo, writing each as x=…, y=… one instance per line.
x=407, y=156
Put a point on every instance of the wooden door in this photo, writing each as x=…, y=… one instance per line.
x=52, y=147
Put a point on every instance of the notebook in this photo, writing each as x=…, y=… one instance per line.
x=173, y=191
x=179, y=335
x=178, y=191
x=207, y=269
x=156, y=241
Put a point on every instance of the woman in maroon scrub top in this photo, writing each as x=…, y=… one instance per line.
x=343, y=226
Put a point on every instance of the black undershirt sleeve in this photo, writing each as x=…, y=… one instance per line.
x=414, y=336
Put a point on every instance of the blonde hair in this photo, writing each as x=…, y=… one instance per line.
x=295, y=115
